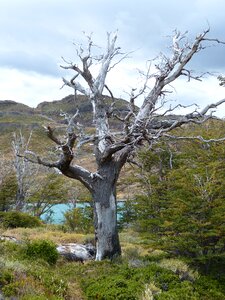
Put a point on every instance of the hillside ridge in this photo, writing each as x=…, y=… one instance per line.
x=70, y=104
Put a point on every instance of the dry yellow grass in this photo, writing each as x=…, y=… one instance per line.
x=132, y=242
x=45, y=233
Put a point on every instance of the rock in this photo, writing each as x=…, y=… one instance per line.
x=8, y=238
x=77, y=252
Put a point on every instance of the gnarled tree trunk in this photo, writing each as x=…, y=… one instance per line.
x=105, y=212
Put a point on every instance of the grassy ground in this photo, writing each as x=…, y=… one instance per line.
x=142, y=273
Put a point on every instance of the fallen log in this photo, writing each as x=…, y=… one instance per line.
x=9, y=238
x=77, y=252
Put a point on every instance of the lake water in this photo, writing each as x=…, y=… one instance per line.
x=59, y=210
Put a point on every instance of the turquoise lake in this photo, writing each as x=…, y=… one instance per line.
x=59, y=210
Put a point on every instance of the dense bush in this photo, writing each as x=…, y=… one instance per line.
x=79, y=219
x=42, y=249
x=120, y=281
x=14, y=219
x=182, y=208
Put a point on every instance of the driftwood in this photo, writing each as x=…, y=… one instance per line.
x=77, y=252
x=71, y=251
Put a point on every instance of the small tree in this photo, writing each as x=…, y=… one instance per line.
x=113, y=149
x=7, y=184
x=79, y=219
x=5, y=167
x=47, y=192
x=8, y=189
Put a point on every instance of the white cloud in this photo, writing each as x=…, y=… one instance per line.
x=29, y=88
x=201, y=93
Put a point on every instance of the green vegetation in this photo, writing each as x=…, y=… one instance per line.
x=8, y=189
x=28, y=275
x=14, y=219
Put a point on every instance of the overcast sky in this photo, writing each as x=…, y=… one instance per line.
x=34, y=34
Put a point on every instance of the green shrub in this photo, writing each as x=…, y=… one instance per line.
x=42, y=249
x=185, y=291
x=14, y=219
x=6, y=277
x=209, y=288
x=79, y=219
x=11, y=289
x=108, y=281
x=116, y=288
x=8, y=189
x=8, y=286
x=120, y=281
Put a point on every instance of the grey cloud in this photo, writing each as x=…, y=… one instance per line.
x=46, y=27
x=29, y=62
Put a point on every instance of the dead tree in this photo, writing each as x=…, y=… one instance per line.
x=25, y=172
x=140, y=125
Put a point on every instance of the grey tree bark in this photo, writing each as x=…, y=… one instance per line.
x=105, y=212
x=141, y=126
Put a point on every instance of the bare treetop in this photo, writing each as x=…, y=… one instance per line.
x=139, y=124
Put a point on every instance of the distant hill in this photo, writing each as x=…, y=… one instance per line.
x=14, y=107
x=11, y=111
x=15, y=116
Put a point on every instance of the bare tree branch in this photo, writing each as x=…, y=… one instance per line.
x=76, y=86
x=199, y=138
x=50, y=134
x=210, y=106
